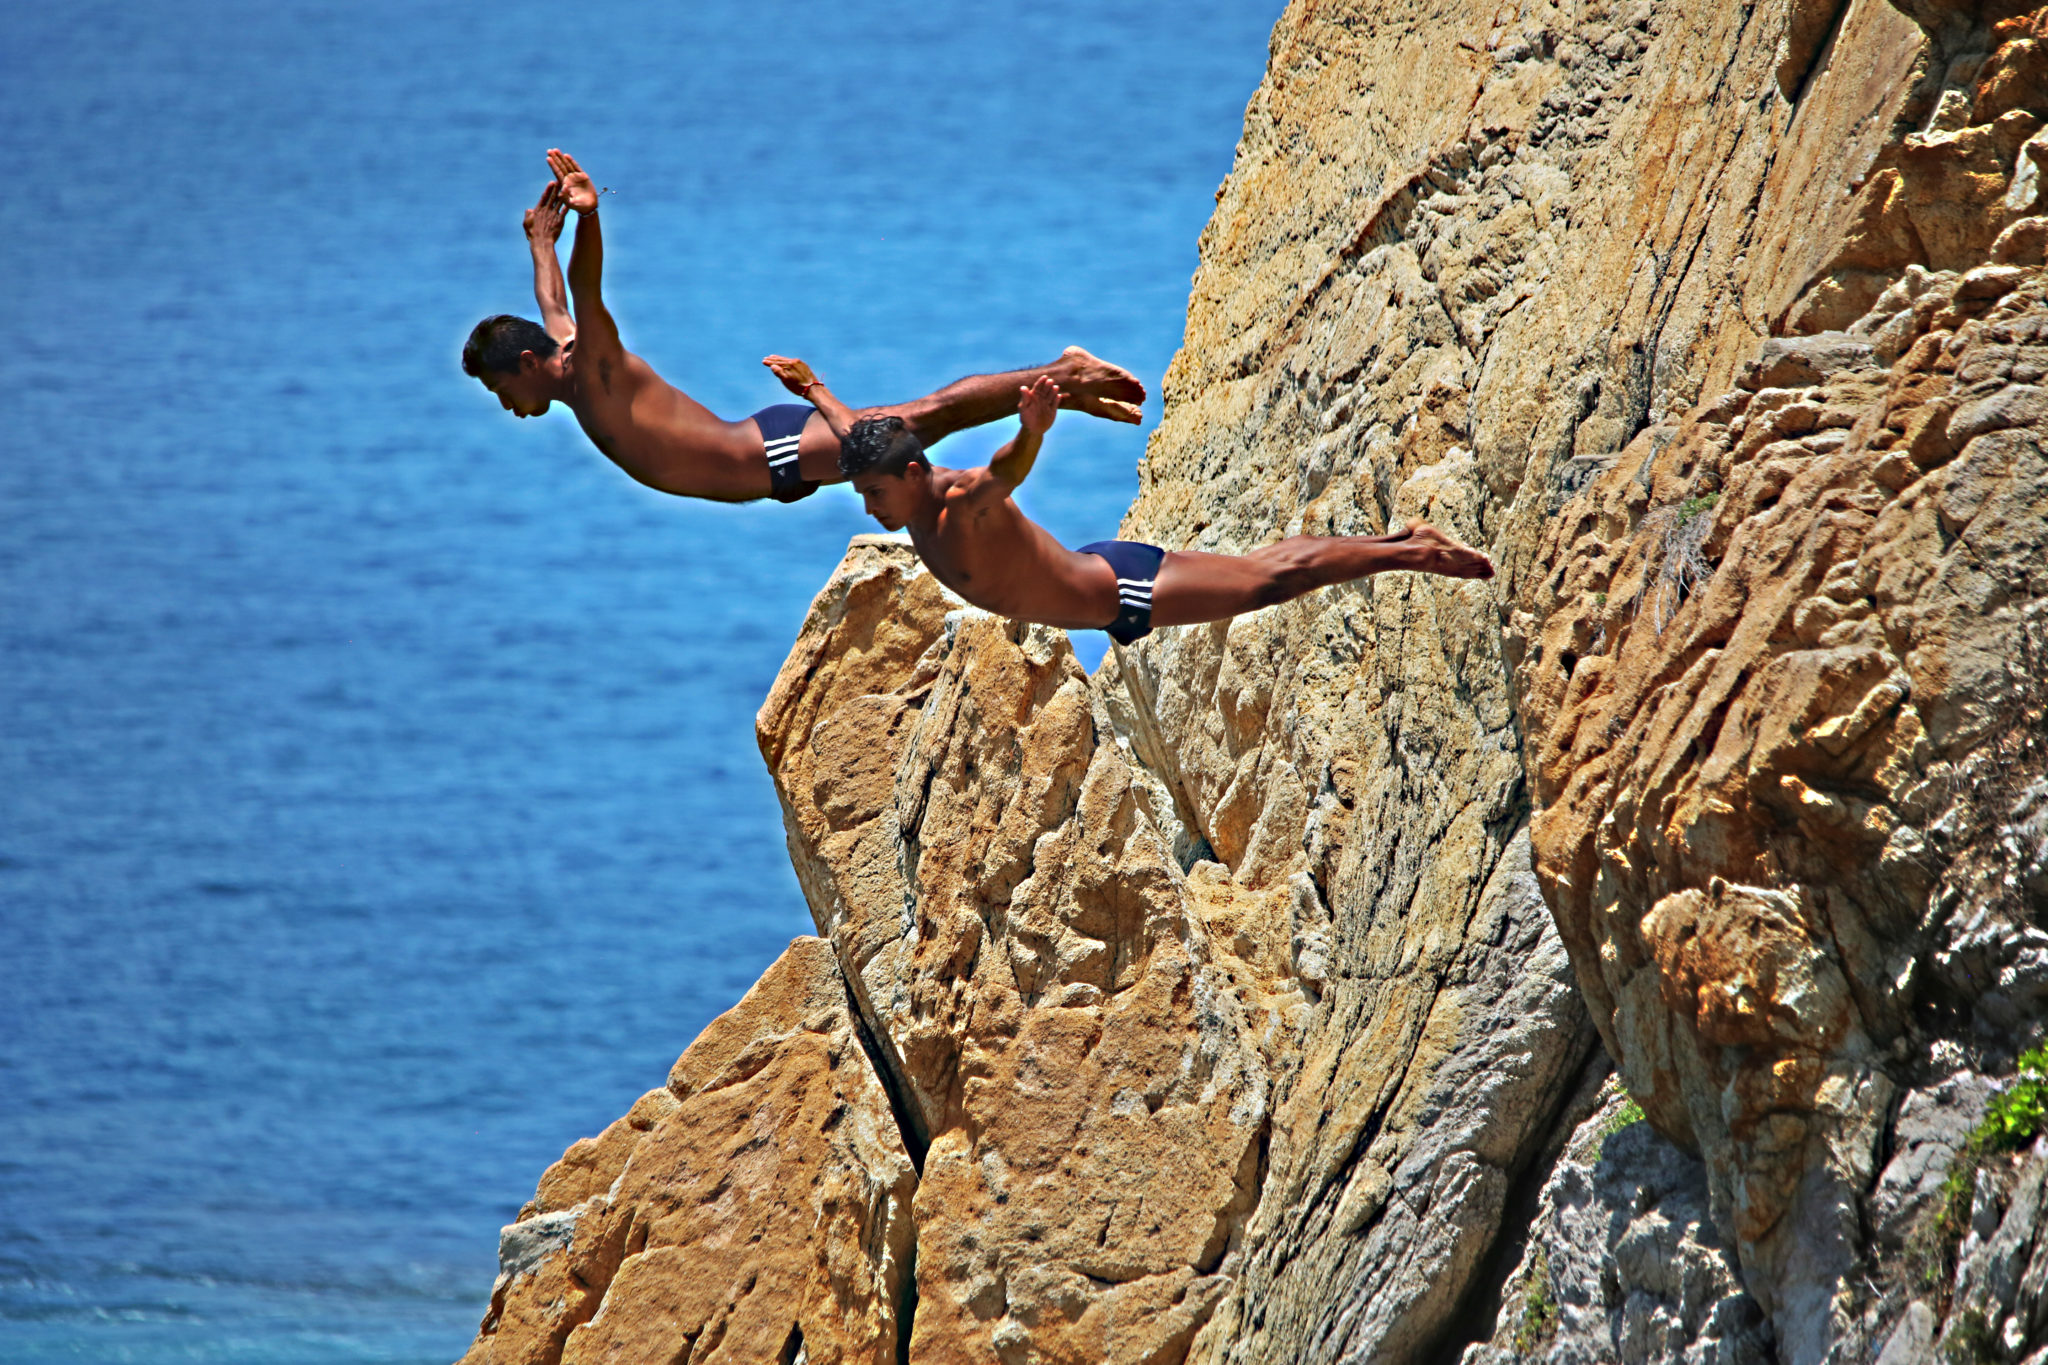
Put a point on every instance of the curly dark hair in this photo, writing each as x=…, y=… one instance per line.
x=883, y=445
x=496, y=343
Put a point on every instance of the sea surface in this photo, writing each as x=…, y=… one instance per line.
x=379, y=804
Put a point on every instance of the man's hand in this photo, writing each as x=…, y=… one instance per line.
x=795, y=375
x=1038, y=404
x=544, y=219
x=577, y=191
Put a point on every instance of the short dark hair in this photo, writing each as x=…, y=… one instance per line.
x=497, y=342
x=880, y=445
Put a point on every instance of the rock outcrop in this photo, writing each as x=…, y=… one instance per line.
x=1623, y=1262
x=1086, y=1046
x=756, y=1209
x=1775, y=743
x=1250, y=1000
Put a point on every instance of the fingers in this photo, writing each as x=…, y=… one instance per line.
x=1044, y=389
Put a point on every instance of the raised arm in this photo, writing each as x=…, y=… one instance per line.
x=797, y=377
x=543, y=226
x=594, y=323
x=1037, y=405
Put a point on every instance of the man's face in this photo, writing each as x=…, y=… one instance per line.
x=889, y=498
x=520, y=391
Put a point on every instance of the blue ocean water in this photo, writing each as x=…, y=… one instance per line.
x=379, y=805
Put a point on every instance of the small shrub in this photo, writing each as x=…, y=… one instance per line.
x=1692, y=507
x=2019, y=1113
x=1539, y=1307
x=1681, y=564
x=1971, y=1341
x=2015, y=1117
x=1627, y=1116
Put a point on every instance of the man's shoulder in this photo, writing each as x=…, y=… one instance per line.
x=965, y=485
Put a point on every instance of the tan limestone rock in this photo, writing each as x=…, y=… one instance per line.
x=1399, y=314
x=759, y=1205
x=1090, y=1063
x=1742, y=766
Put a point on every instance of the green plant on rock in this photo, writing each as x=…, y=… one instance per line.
x=1971, y=1341
x=1629, y=1115
x=1682, y=566
x=1539, y=1307
x=2015, y=1117
x=1693, y=506
x=2019, y=1113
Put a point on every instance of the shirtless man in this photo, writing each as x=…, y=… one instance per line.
x=667, y=440
x=972, y=535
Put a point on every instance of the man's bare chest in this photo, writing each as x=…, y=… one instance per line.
x=611, y=415
x=973, y=551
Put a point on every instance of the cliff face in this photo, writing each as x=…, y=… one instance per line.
x=1252, y=999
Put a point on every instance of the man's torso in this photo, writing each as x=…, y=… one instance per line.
x=662, y=436
x=1002, y=561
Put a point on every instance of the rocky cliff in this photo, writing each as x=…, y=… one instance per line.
x=1256, y=999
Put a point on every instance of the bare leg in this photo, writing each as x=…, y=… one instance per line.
x=1193, y=586
x=1086, y=385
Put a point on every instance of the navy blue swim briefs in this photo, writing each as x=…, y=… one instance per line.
x=1136, y=566
x=782, y=426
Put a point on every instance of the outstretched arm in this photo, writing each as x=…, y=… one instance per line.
x=797, y=377
x=1037, y=405
x=543, y=226
x=586, y=259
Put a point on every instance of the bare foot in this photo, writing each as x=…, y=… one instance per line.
x=1437, y=553
x=1097, y=387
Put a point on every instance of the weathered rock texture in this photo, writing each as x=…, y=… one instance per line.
x=1622, y=1261
x=1754, y=833
x=757, y=1209
x=1237, y=1002
x=1085, y=1035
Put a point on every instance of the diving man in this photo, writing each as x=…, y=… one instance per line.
x=665, y=439
x=971, y=534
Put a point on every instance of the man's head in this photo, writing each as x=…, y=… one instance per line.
x=886, y=464
x=513, y=358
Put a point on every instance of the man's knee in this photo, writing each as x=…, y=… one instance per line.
x=1284, y=583
x=1289, y=569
